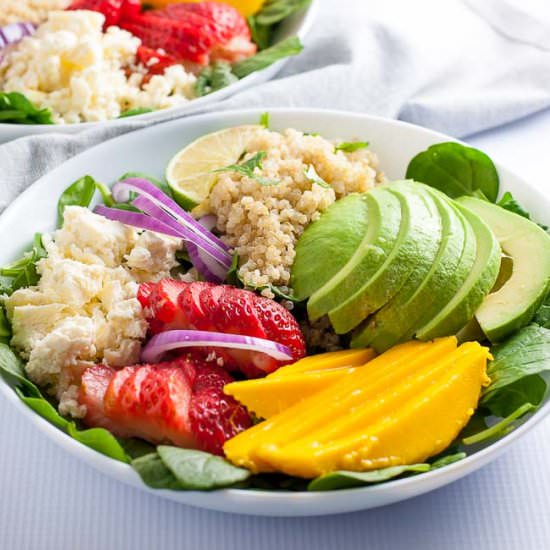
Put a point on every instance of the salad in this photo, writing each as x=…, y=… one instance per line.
x=96, y=60
x=274, y=313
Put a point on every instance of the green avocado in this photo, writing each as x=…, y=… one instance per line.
x=513, y=305
x=481, y=278
x=414, y=251
x=369, y=255
x=424, y=294
x=328, y=243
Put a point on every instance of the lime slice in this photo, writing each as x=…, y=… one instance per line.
x=189, y=173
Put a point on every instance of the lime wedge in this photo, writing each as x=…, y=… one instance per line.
x=189, y=172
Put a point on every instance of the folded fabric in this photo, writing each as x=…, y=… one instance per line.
x=455, y=66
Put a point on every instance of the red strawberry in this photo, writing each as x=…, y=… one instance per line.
x=154, y=61
x=111, y=9
x=144, y=293
x=222, y=308
x=181, y=402
x=215, y=418
x=196, y=33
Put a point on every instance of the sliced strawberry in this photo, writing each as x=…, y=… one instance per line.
x=111, y=9
x=144, y=293
x=215, y=418
x=163, y=301
x=154, y=61
x=181, y=402
x=226, y=309
x=152, y=402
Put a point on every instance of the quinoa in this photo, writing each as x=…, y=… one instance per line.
x=320, y=336
x=262, y=223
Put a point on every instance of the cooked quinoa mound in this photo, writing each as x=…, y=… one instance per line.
x=262, y=223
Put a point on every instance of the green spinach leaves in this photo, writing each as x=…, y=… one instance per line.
x=456, y=170
x=15, y=107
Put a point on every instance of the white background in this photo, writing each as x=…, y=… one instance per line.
x=48, y=500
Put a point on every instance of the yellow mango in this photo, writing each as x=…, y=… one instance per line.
x=268, y=396
x=329, y=360
x=336, y=401
x=280, y=390
x=404, y=425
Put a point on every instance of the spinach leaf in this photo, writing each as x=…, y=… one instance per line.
x=15, y=107
x=79, y=193
x=346, y=480
x=501, y=428
x=100, y=440
x=154, y=473
x=542, y=316
x=286, y=48
x=263, y=23
x=232, y=277
x=134, y=112
x=351, y=146
x=264, y=120
x=5, y=327
x=22, y=272
x=247, y=168
x=508, y=202
x=456, y=170
x=44, y=409
x=135, y=447
x=312, y=175
x=213, y=78
x=446, y=460
x=516, y=361
x=11, y=369
x=199, y=470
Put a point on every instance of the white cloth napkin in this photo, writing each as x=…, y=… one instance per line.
x=459, y=66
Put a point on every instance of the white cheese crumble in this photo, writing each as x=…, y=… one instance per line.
x=84, y=74
x=84, y=309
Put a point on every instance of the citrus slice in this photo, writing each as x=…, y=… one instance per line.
x=190, y=172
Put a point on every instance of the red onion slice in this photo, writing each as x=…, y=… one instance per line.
x=135, y=219
x=152, y=209
x=10, y=34
x=121, y=193
x=159, y=344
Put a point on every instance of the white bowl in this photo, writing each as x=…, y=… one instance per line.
x=297, y=24
x=148, y=151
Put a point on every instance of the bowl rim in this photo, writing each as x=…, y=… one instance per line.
x=124, y=472
x=194, y=105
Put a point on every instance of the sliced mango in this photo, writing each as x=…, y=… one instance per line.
x=330, y=360
x=268, y=396
x=409, y=404
x=280, y=390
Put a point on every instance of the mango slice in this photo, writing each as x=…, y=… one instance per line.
x=280, y=390
x=404, y=406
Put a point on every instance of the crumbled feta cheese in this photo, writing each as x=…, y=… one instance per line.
x=84, y=309
x=81, y=73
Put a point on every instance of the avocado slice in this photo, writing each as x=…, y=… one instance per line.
x=415, y=250
x=328, y=243
x=481, y=278
x=424, y=294
x=368, y=257
x=513, y=305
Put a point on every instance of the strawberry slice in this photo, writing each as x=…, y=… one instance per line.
x=180, y=401
x=111, y=9
x=226, y=309
x=154, y=61
x=144, y=293
x=196, y=33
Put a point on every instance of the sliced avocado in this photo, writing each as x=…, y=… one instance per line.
x=369, y=255
x=424, y=294
x=415, y=249
x=481, y=278
x=513, y=305
x=328, y=243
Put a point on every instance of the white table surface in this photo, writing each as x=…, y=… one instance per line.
x=49, y=500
